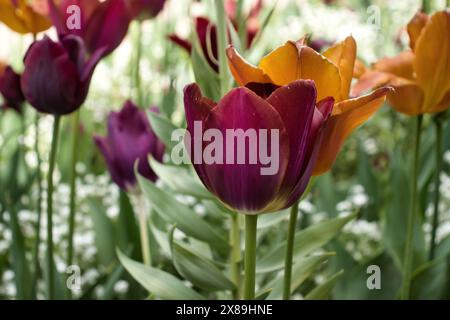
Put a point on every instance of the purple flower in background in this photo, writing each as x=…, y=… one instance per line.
x=102, y=24
x=57, y=75
x=130, y=138
x=10, y=90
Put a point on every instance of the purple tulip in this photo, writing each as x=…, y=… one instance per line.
x=130, y=138
x=102, y=24
x=291, y=111
x=57, y=75
x=10, y=90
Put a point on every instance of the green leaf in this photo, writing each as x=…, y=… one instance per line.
x=205, y=76
x=163, y=128
x=301, y=271
x=160, y=283
x=104, y=233
x=185, y=218
x=269, y=220
x=200, y=271
x=306, y=241
x=180, y=180
x=323, y=291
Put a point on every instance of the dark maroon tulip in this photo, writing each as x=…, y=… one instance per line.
x=57, y=75
x=10, y=90
x=290, y=109
x=319, y=44
x=102, y=24
x=130, y=138
x=145, y=9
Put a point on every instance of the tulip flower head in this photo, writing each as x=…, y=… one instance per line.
x=332, y=73
x=130, y=138
x=249, y=126
x=10, y=89
x=420, y=76
x=99, y=24
x=21, y=17
x=57, y=75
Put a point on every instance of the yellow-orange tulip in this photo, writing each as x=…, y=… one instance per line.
x=332, y=73
x=420, y=76
x=20, y=16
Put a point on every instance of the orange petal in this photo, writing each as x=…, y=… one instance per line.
x=22, y=19
x=432, y=60
x=347, y=116
x=369, y=81
x=242, y=71
x=400, y=65
x=359, y=69
x=415, y=27
x=407, y=98
x=343, y=55
x=293, y=61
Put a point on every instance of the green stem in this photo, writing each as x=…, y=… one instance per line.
x=241, y=24
x=37, y=231
x=437, y=185
x=137, y=71
x=143, y=229
x=222, y=46
x=73, y=187
x=251, y=222
x=51, y=168
x=289, y=251
x=408, y=254
x=235, y=257
x=426, y=6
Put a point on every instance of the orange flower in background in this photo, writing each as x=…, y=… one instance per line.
x=22, y=17
x=332, y=73
x=420, y=76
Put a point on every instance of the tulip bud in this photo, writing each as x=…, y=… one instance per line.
x=145, y=9
x=10, y=89
x=130, y=138
x=57, y=75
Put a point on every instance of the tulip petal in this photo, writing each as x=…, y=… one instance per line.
x=432, y=61
x=415, y=27
x=242, y=71
x=321, y=117
x=400, y=65
x=107, y=27
x=292, y=61
x=296, y=105
x=408, y=97
x=21, y=18
x=347, y=115
x=239, y=186
x=343, y=55
x=369, y=81
x=359, y=69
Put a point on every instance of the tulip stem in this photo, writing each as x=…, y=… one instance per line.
x=408, y=253
x=72, y=182
x=289, y=251
x=251, y=222
x=137, y=74
x=38, y=205
x=235, y=257
x=143, y=228
x=437, y=185
x=52, y=160
x=241, y=26
x=222, y=46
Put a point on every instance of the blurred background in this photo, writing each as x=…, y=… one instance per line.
x=370, y=174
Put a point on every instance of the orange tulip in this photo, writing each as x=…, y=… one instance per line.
x=420, y=76
x=332, y=73
x=21, y=17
